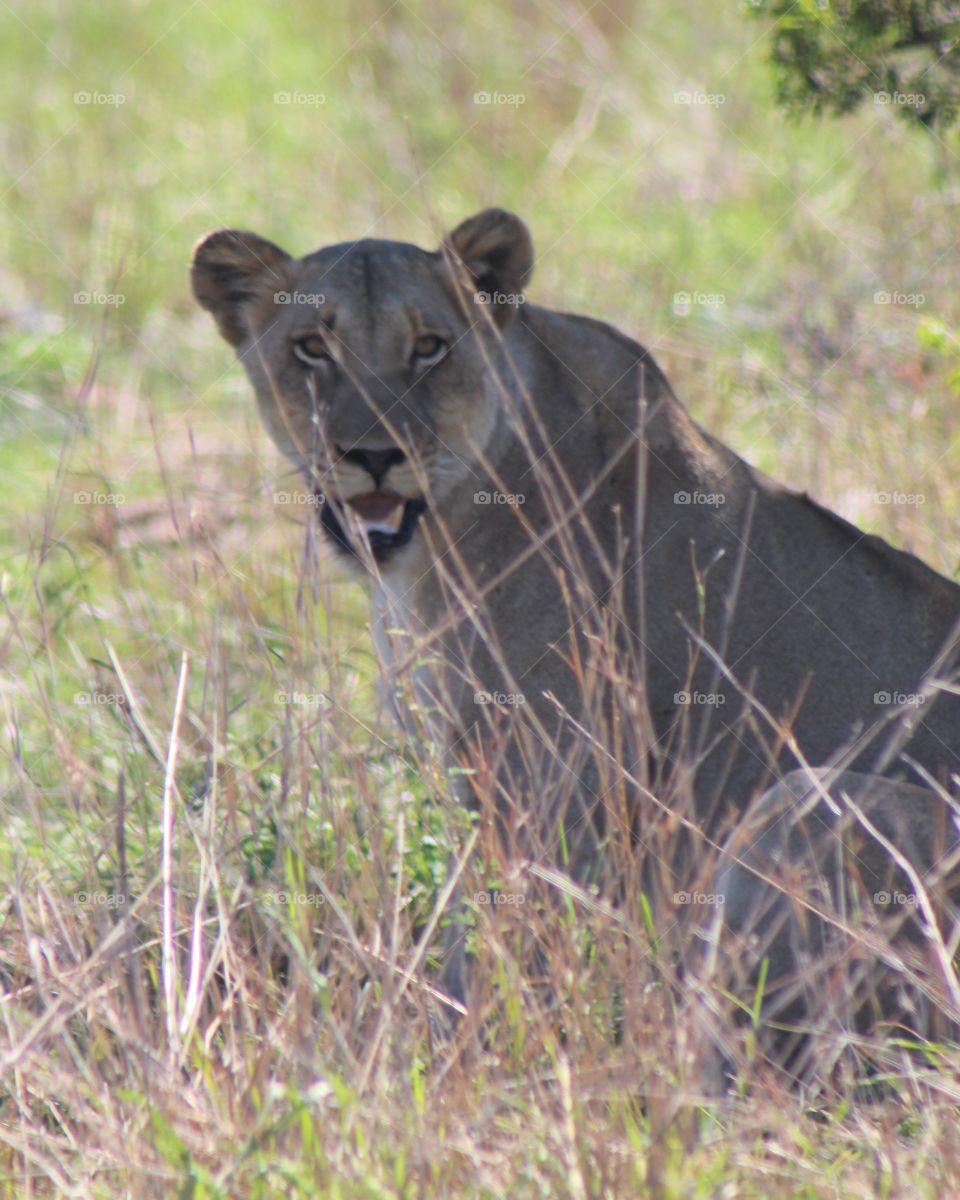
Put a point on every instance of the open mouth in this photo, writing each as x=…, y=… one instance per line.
x=383, y=522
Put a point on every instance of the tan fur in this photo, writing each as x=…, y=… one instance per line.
x=602, y=597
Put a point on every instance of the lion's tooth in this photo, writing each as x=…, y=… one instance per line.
x=377, y=512
x=384, y=526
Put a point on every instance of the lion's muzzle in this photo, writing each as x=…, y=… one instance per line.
x=380, y=521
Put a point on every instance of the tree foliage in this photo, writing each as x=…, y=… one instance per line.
x=833, y=55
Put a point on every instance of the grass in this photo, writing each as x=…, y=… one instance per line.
x=310, y=843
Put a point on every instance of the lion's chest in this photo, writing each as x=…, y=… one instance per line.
x=394, y=627
x=388, y=623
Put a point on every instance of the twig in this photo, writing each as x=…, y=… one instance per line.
x=169, y=962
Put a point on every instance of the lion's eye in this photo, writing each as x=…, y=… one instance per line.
x=428, y=348
x=311, y=349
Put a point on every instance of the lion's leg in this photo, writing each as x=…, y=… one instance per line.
x=836, y=894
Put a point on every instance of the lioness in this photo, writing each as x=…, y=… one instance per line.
x=598, y=597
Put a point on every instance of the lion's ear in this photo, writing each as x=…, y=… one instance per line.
x=229, y=267
x=496, y=249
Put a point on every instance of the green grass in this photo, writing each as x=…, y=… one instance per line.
x=304, y=1072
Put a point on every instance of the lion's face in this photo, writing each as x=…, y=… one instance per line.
x=372, y=362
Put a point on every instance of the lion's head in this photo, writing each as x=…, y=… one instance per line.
x=371, y=361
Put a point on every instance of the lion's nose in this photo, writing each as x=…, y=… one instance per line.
x=377, y=462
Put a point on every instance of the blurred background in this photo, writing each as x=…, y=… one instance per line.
x=644, y=143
